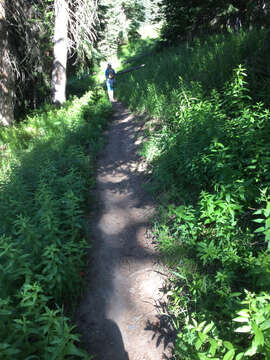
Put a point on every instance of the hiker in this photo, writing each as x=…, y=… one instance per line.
x=110, y=76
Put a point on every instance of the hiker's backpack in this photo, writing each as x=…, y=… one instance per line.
x=111, y=74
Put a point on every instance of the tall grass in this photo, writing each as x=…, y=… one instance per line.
x=209, y=155
x=209, y=61
x=47, y=167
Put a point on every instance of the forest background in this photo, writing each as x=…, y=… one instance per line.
x=206, y=84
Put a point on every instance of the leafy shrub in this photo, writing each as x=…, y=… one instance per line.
x=208, y=61
x=47, y=169
x=223, y=252
x=79, y=85
x=209, y=157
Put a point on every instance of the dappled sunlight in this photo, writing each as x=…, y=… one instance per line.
x=150, y=31
x=209, y=163
x=125, y=282
x=112, y=223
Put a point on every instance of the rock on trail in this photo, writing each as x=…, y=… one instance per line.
x=119, y=316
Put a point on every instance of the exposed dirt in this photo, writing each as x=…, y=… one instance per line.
x=119, y=316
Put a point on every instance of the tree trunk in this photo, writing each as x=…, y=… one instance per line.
x=60, y=52
x=6, y=73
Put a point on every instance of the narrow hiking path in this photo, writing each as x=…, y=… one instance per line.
x=119, y=317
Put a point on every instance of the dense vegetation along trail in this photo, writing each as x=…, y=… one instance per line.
x=118, y=316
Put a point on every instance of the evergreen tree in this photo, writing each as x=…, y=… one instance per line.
x=30, y=29
x=6, y=75
x=74, y=25
x=118, y=21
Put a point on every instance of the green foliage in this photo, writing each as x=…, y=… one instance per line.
x=218, y=150
x=30, y=28
x=205, y=63
x=80, y=84
x=46, y=171
x=184, y=20
x=209, y=159
x=119, y=21
x=252, y=324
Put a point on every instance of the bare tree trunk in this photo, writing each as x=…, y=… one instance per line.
x=60, y=52
x=6, y=73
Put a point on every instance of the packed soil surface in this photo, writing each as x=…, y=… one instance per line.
x=120, y=315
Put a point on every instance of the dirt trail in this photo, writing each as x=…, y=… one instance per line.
x=118, y=317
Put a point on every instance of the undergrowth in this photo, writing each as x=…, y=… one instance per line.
x=209, y=156
x=209, y=61
x=46, y=172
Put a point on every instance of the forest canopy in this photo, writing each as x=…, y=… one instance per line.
x=95, y=31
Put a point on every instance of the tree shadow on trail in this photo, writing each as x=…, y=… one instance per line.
x=111, y=318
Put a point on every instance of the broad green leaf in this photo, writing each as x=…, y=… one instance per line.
x=265, y=325
x=208, y=328
x=259, y=338
x=201, y=325
x=260, y=229
x=251, y=351
x=202, y=336
x=259, y=221
x=241, y=319
x=202, y=356
x=267, y=210
x=198, y=344
x=244, y=312
x=213, y=347
x=228, y=345
x=229, y=355
x=243, y=329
